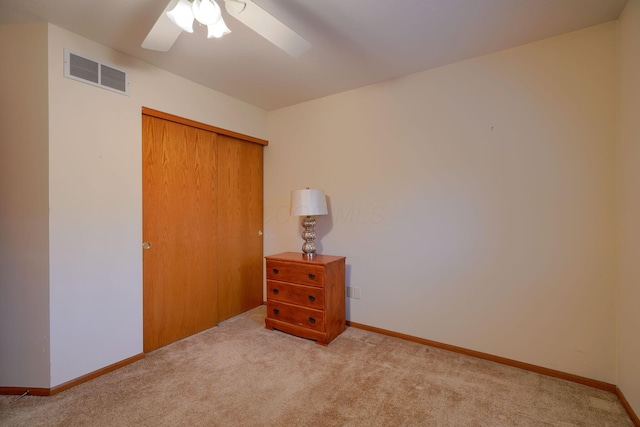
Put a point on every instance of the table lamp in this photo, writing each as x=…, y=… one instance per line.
x=306, y=203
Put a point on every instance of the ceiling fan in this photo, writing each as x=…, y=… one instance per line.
x=178, y=16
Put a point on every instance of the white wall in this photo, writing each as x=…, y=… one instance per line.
x=24, y=237
x=475, y=202
x=629, y=229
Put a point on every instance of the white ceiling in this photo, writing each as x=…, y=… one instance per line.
x=354, y=42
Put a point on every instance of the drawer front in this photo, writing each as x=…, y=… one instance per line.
x=296, y=315
x=307, y=296
x=304, y=273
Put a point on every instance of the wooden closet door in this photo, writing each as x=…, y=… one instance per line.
x=179, y=222
x=240, y=207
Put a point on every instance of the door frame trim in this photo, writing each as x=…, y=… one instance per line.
x=177, y=119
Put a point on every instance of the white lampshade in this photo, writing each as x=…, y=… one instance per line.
x=182, y=16
x=207, y=12
x=308, y=202
x=218, y=29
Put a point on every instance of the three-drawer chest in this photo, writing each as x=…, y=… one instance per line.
x=306, y=297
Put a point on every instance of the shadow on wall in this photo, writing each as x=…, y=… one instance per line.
x=324, y=225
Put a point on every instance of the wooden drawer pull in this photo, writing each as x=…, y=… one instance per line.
x=275, y=271
x=276, y=311
x=275, y=291
x=312, y=298
x=312, y=276
x=312, y=320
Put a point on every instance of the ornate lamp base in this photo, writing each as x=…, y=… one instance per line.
x=309, y=236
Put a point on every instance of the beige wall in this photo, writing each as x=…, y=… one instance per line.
x=474, y=202
x=96, y=199
x=24, y=239
x=80, y=169
x=629, y=230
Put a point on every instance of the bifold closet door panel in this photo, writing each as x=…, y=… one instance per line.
x=179, y=230
x=240, y=211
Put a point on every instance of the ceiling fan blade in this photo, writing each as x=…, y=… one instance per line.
x=163, y=33
x=260, y=21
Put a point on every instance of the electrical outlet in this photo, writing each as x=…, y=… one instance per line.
x=353, y=292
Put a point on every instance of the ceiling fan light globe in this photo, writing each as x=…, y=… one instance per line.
x=218, y=29
x=182, y=16
x=207, y=12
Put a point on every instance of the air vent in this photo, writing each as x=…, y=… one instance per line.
x=92, y=72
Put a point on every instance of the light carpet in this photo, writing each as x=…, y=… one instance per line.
x=240, y=374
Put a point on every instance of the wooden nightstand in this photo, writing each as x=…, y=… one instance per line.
x=306, y=297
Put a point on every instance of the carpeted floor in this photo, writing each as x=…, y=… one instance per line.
x=240, y=374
